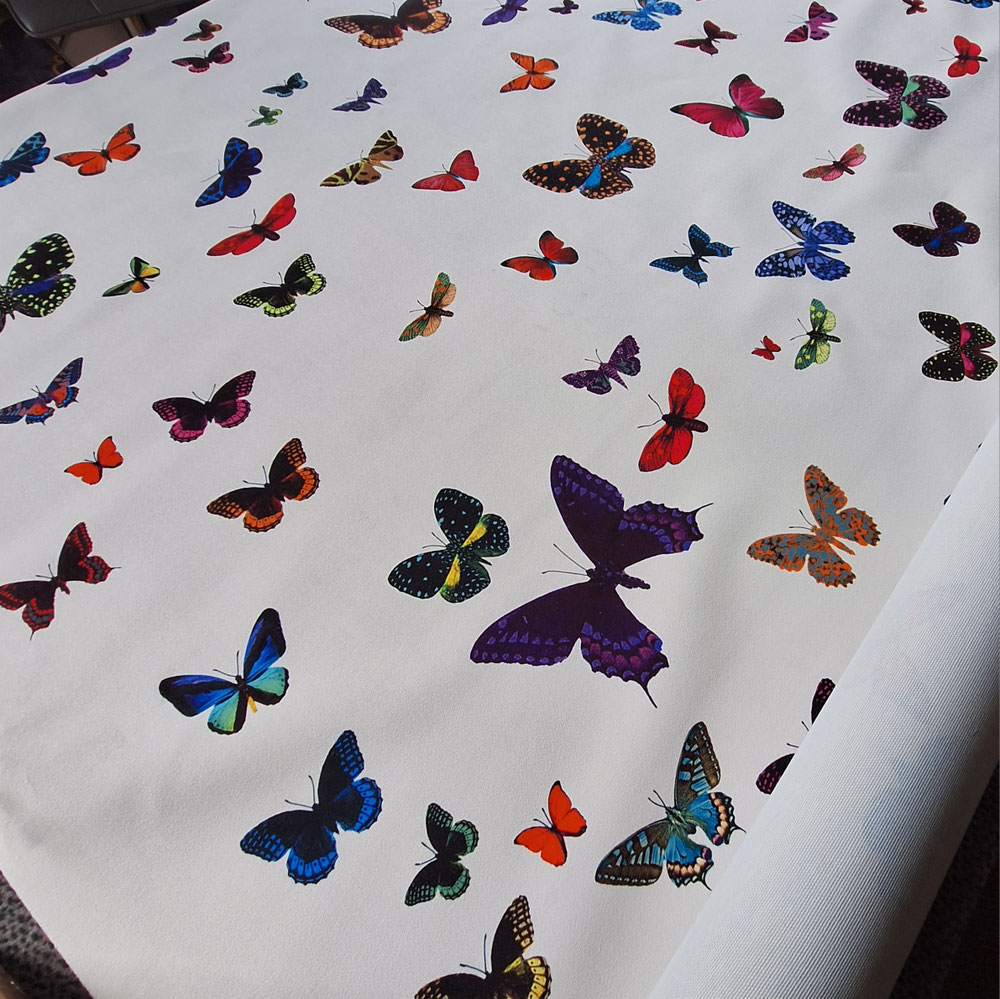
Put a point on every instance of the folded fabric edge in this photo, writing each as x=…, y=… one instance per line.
x=832, y=884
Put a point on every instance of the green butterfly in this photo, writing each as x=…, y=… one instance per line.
x=816, y=350
x=444, y=872
x=278, y=300
x=142, y=274
x=36, y=285
x=268, y=116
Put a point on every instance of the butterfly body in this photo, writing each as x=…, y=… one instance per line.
x=815, y=26
x=534, y=76
x=37, y=285
x=951, y=227
x=101, y=68
x=301, y=278
x=60, y=393
x=672, y=442
x=713, y=34
x=554, y=254
x=219, y=55
x=445, y=872
x=377, y=32
x=734, y=122
x=366, y=171
x=286, y=89
x=239, y=164
x=228, y=408
x=819, y=548
x=37, y=596
x=24, y=159
x=966, y=355
x=768, y=349
x=261, y=682
x=768, y=778
x=812, y=251
x=624, y=360
x=424, y=325
x=816, y=350
x=512, y=974
x=344, y=801
x=545, y=631
x=371, y=95
x=463, y=167
x=644, y=17
x=968, y=56
x=907, y=102
x=702, y=248
x=548, y=840
x=106, y=456
x=602, y=175
x=120, y=148
x=666, y=843
x=261, y=506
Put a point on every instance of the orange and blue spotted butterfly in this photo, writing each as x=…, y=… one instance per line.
x=827, y=502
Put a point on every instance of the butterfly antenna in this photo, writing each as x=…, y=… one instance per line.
x=804, y=725
x=658, y=801
x=791, y=745
x=311, y=781
x=297, y=804
x=231, y=676
x=573, y=560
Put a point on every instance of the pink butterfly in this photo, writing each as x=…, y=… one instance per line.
x=199, y=64
x=463, y=167
x=813, y=28
x=831, y=171
x=748, y=102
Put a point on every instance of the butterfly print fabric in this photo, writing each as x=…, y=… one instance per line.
x=336, y=325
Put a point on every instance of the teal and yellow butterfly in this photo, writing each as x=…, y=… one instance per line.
x=36, y=285
x=816, y=350
x=267, y=116
x=142, y=274
x=456, y=571
x=667, y=843
x=301, y=278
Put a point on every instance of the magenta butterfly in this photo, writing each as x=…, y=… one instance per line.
x=907, y=98
x=734, y=122
x=545, y=631
x=624, y=360
x=768, y=778
x=950, y=229
x=228, y=407
x=219, y=55
x=814, y=26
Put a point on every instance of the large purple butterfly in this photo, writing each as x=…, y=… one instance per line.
x=768, y=778
x=951, y=228
x=907, y=98
x=101, y=68
x=544, y=631
x=228, y=407
x=507, y=11
x=624, y=359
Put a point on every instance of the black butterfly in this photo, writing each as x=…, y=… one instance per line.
x=702, y=247
x=279, y=299
x=36, y=285
x=307, y=835
x=286, y=89
x=227, y=407
x=768, y=778
x=514, y=976
x=444, y=872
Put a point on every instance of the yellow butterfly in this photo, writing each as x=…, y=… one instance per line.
x=366, y=170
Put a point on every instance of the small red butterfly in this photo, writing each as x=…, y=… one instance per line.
x=549, y=839
x=534, y=73
x=734, y=122
x=854, y=156
x=198, y=64
x=37, y=596
x=968, y=59
x=672, y=442
x=206, y=31
x=543, y=268
x=282, y=212
x=463, y=167
x=915, y=6
x=768, y=778
x=120, y=147
x=106, y=456
x=768, y=351
x=713, y=34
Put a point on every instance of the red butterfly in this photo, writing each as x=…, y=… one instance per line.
x=463, y=167
x=713, y=33
x=282, y=212
x=106, y=456
x=748, y=102
x=768, y=778
x=543, y=268
x=206, y=31
x=915, y=6
x=768, y=351
x=968, y=59
x=38, y=596
x=198, y=64
x=549, y=839
x=120, y=147
x=854, y=156
x=671, y=443
x=534, y=73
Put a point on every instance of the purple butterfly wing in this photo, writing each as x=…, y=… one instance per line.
x=593, y=381
x=591, y=508
x=823, y=691
x=649, y=529
x=227, y=407
x=880, y=114
x=625, y=357
x=189, y=414
x=768, y=778
x=930, y=87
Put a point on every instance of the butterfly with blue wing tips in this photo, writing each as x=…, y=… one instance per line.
x=286, y=89
x=702, y=247
x=444, y=872
x=644, y=17
x=307, y=835
x=261, y=682
x=24, y=159
x=666, y=843
x=456, y=571
x=812, y=250
x=239, y=164
x=363, y=101
x=60, y=393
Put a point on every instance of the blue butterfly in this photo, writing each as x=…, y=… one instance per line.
x=640, y=859
x=239, y=164
x=294, y=82
x=644, y=18
x=261, y=682
x=701, y=248
x=24, y=159
x=977, y=3
x=307, y=836
x=811, y=251
x=95, y=69
x=373, y=90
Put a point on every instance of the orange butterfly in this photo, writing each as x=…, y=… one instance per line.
x=107, y=456
x=534, y=73
x=427, y=323
x=549, y=839
x=90, y=162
